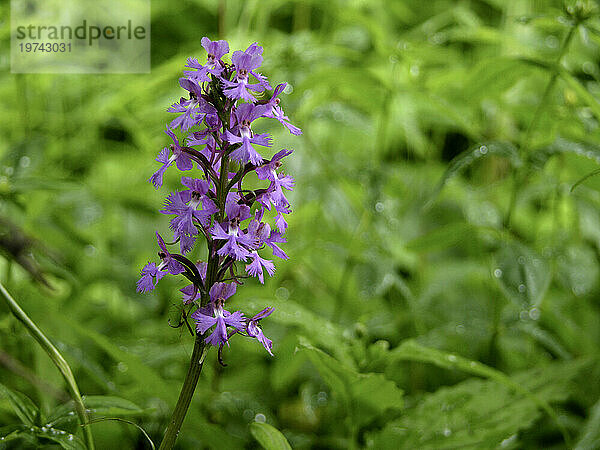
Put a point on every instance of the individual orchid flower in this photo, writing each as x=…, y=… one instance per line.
x=181, y=159
x=245, y=115
x=214, y=65
x=245, y=65
x=254, y=330
x=215, y=315
x=274, y=111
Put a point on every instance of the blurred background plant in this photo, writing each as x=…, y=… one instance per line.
x=442, y=290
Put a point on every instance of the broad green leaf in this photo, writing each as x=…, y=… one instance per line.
x=269, y=437
x=412, y=351
x=545, y=338
x=365, y=396
x=522, y=274
x=22, y=405
x=476, y=413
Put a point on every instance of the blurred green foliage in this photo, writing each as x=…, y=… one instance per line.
x=442, y=290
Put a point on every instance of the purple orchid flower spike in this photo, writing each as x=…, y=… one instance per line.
x=186, y=243
x=207, y=138
x=215, y=49
x=255, y=331
x=157, y=177
x=215, y=119
x=245, y=115
x=274, y=197
x=199, y=190
x=190, y=294
x=215, y=314
x=254, y=49
x=280, y=223
x=275, y=112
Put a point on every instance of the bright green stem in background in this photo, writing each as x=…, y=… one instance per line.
x=187, y=392
x=520, y=174
x=58, y=361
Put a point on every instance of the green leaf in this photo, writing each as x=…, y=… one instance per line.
x=581, y=90
x=364, y=396
x=522, y=274
x=23, y=185
x=66, y=440
x=589, y=438
x=97, y=405
x=269, y=437
x=22, y=405
x=476, y=413
x=561, y=145
x=492, y=76
x=147, y=378
x=468, y=157
x=412, y=351
x=322, y=331
x=117, y=419
x=443, y=237
x=12, y=432
x=593, y=173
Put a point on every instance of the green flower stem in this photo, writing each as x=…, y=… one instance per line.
x=200, y=348
x=58, y=360
x=187, y=392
